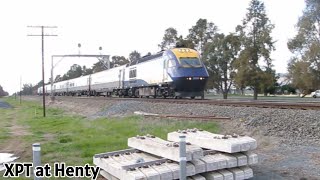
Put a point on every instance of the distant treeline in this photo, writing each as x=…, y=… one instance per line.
x=2, y=92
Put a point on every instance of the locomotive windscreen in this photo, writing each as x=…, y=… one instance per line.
x=193, y=62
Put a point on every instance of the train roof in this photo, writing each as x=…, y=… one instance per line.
x=146, y=58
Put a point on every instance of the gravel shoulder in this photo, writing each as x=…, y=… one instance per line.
x=4, y=105
x=288, y=140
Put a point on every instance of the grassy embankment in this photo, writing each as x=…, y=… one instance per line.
x=74, y=139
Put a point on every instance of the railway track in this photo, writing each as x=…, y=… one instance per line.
x=234, y=103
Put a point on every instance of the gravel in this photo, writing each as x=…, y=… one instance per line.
x=294, y=125
x=288, y=140
x=4, y=105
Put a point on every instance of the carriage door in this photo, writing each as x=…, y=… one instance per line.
x=165, y=72
x=67, y=86
x=89, y=83
x=121, y=78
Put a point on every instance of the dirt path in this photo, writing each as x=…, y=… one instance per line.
x=15, y=144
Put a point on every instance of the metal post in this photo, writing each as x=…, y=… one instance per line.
x=108, y=63
x=183, y=158
x=36, y=149
x=52, y=95
x=79, y=46
x=43, y=89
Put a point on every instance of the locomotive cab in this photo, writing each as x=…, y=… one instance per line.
x=189, y=75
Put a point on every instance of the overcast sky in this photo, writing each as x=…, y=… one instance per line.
x=119, y=27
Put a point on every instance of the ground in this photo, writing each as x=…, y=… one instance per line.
x=74, y=139
x=285, y=151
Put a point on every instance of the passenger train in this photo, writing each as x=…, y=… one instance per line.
x=176, y=73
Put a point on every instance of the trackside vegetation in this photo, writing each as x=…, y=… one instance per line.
x=74, y=139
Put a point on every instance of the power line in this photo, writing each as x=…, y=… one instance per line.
x=42, y=49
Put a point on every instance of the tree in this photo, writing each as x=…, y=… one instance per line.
x=257, y=44
x=184, y=42
x=269, y=79
x=288, y=88
x=169, y=39
x=3, y=92
x=58, y=78
x=202, y=33
x=98, y=66
x=27, y=89
x=118, y=61
x=219, y=56
x=306, y=49
x=35, y=87
x=301, y=76
x=65, y=77
x=134, y=56
x=86, y=71
x=75, y=71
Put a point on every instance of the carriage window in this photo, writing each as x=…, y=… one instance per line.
x=133, y=73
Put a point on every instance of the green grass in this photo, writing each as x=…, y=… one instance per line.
x=5, y=120
x=75, y=139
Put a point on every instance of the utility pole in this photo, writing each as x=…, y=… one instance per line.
x=42, y=48
x=20, y=89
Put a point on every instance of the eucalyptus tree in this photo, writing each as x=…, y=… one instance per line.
x=169, y=39
x=219, y=56
x=118, y=61
x=300, y=75
x=134, y=55
x=305, y=47
x=3, y=92
x=74, y=71
x=185, y=42
x=202, y=33
x=254, y=65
